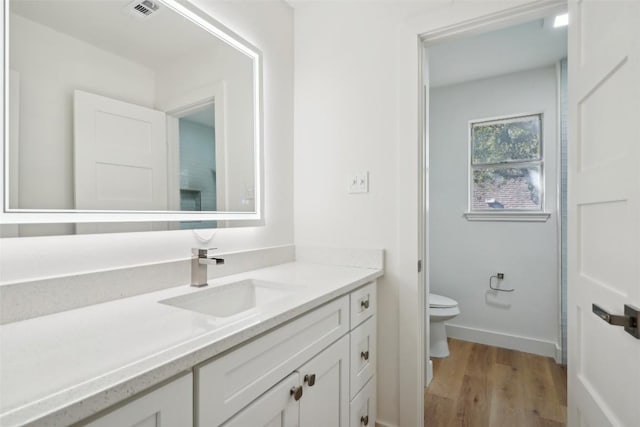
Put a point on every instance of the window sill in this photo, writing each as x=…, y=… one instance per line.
x=508, y=216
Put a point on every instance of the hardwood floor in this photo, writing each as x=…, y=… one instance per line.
x=480, y=385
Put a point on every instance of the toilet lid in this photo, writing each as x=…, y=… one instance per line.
x=439, y=301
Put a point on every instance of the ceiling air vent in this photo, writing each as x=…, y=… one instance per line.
x=142, y=9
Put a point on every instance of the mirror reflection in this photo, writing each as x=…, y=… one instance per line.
x=198, y=160
x=120, y=105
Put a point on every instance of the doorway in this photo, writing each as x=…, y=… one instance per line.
x=197, y=151
x=495, y=217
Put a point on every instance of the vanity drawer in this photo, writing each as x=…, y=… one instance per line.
x=362, y=411
x=363, y=303
x=230, y=382
x=363, y=354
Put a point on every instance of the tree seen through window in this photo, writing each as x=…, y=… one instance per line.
x=506, y=164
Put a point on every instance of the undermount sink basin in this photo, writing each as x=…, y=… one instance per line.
x=229, y=300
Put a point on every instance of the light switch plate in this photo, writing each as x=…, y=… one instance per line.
x=359, y=183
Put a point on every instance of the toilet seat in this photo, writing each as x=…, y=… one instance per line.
x=439, y=301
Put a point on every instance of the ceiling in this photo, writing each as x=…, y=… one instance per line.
x=165, y=36
x=522, y=47
x=152, y=42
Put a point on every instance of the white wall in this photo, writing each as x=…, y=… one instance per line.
x=463, y=254
x=356, y=106
x=51, y=66
x=269, y=26
x=343, y=96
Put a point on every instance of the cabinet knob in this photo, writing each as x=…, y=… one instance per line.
x=364, y=304
x=364, y=420
x=310, y=379
x=365, y=355
x=296, y=392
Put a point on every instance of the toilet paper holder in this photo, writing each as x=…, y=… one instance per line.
x=498, y=276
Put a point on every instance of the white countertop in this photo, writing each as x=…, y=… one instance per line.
x=61, y=368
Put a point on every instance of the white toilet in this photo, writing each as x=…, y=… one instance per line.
x=441, y=309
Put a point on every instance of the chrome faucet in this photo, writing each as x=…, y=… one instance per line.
x=199, y=260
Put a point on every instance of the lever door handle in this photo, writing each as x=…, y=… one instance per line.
x=629, y=321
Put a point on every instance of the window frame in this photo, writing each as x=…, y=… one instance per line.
x=493, y=214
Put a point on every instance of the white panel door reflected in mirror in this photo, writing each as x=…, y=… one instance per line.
x=196, y=150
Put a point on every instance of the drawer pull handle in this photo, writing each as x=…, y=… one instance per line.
x=364, y=304
x=365, y=420
x=310, y=379
x=365, y=355
x=296, y=392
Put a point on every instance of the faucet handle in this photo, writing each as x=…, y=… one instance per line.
x=202, y=252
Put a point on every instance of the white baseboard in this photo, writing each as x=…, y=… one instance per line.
x=383, y=424
x=558, y=354
x=429, y=373
x=497, y=339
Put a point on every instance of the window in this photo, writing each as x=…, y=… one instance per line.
x=506, y=170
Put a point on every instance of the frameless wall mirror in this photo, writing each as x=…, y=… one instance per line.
x=124, y=111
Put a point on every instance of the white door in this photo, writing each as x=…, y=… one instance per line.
x=120, y=152
x=326, y=387
x=278, y=407
x=604, y=210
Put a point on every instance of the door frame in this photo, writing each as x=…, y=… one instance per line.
x=175, y=109
x=490, y=22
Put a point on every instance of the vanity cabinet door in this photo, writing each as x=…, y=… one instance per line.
x=168, y=406
x=278, y=407
x=325, y=381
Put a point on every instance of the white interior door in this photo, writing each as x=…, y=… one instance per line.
x=604, y=213
x=120, y=152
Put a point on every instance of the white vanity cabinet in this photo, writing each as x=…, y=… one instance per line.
x=325, y=378
x=314, y=395
x=230, y=382
x=363, y=355
x=170, y=405
x=316, y=370
x=276, y=408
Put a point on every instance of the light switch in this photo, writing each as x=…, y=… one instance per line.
x=359, y=183
x=353, y=184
